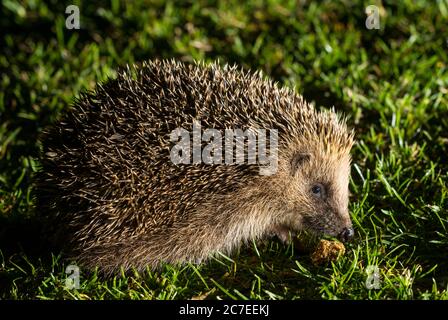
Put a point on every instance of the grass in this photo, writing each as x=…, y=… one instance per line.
x=392, y=83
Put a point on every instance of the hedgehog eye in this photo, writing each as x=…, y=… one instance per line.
x=318, y=190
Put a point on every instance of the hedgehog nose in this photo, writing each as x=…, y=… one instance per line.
x=346, y=234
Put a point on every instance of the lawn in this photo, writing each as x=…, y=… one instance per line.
x=391, y=83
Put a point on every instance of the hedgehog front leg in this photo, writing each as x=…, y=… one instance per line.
x=282, y=232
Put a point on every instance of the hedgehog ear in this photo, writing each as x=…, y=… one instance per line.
x=298, y=159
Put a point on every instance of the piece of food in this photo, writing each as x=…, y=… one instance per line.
x=327, y=251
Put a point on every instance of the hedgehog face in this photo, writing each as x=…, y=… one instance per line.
x=318, y=194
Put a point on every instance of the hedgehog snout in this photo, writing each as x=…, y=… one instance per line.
x=347, y=234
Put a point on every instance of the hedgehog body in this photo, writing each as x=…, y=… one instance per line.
x=111, y=192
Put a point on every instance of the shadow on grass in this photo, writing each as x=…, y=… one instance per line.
x=26, y=254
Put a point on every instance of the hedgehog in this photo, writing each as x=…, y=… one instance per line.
x=111, y=194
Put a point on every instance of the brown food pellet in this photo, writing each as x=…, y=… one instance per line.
x=327, y=251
